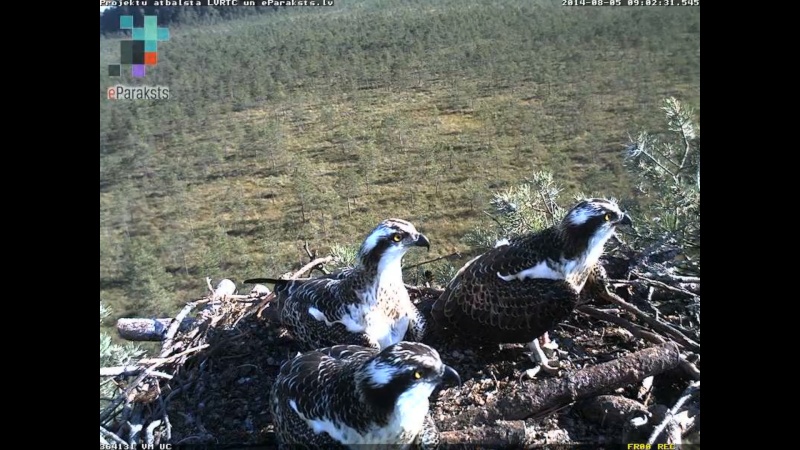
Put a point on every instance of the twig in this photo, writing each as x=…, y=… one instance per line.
x=312, y=256
x=135, y=427
x=505, y=231
x=687, y=394
x=311, y=265
x=454, y=254
x=658, y=284
x=164, y=416
x=530, y=399
x=106, y=413
x=208, y=283
x=129, y=370
x=657, y=325
x=109, y=435
x=148, y=432
x=161, y=361
x=503, y=434
x=173, y=329
x=666, y=277
x=637, y=331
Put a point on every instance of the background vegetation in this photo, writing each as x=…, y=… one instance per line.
x=316, y=123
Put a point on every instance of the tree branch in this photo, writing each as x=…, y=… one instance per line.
x=639, y=332
x=690, y=390
x=655, y=323
x=130, y=370
x=109, y=435
x=310, y=266
x=140, y=329
x=532, y=398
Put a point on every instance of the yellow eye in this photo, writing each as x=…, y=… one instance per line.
x=417, y=375
x=397, y=237
x=608, y=217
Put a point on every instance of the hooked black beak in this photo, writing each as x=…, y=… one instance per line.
x=451, y=376
x=423, y=241
x=626, y=220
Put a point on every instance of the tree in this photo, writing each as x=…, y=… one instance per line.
x=667, y=166
x=531, y=205
x=146, y=281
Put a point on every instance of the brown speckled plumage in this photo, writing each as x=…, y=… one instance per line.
x=365, y=305
x=351, y=395
x=518, y=291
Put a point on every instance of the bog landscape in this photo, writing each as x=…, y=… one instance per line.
x=289, y=133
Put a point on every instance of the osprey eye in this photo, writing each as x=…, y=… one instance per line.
x=397, y=237
x=608, y=217
x=417, y=375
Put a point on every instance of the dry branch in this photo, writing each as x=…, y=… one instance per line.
x=687, y=394
x=166, y=347
x=657, y=325
x=679, y=288
x=637, y=331
x=312, y=256
x=511, y=434
x=534, y=398
x=315, y=264
x=107, y=434
x=138, y=329
x=130, y=370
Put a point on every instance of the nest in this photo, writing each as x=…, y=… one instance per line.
x=628, y=375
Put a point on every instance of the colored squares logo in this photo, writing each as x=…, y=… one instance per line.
x=142, y=49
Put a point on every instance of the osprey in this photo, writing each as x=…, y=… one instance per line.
x=520, y=289
x=349, y=395
x=366, y=305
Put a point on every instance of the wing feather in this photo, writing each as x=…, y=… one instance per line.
x=481, y=304
x=308, y=382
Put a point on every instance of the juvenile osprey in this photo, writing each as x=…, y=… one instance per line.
x=522, y=288
x=367, y=305
x=348, y=395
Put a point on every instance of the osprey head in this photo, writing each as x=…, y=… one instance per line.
x=403, y=375
x=389, y=241
x=593, y=221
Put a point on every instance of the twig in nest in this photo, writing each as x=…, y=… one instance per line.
x=148, y=432
x=106, y=413
x=161, y=361
x=636, y=330
x=169, y=338
x=657, y=325
x=639, y=332
x=530, y=399
x=208, y=283
x=167, y=425
x=312, y=265
x=687, y=394
x=658, y=284
x=130, y=370
x=109, y=435
x=666, y=277
x=312, y=256
x=451, y=255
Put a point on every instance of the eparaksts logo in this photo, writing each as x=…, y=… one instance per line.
x=120, y=92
